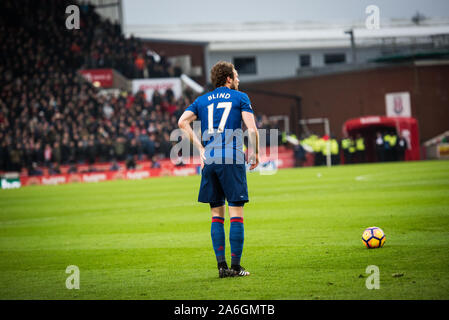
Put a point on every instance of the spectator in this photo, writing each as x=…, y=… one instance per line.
x=387, y=147
x=3, y=155
x=140, y=65
x=155, y=164
x=380, y=149
x=131, y=155
x=335, y=151
x=401, y=147
x=360, y=148
x=35, y=171
x=119, y=149
x=115, y=166
x=56, y=153
x=54, y=169
x=165, y=145
x=300, y=155
x=393, y=144
x=15, y=156
x=72, y=168
x=345, y=144
x=91, y=151
x=108, y=110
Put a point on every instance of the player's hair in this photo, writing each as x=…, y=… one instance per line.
x=220, y=72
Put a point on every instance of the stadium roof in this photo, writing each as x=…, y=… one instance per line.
x=288, y=36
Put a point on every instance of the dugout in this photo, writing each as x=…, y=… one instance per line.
x=368, y=127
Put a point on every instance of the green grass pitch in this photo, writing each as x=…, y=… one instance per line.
x=150, y=239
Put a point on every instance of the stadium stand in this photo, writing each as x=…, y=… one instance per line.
x=34, y=38
x=51, y=120
x=50, y=116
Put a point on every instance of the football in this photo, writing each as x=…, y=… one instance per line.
x=373, y=237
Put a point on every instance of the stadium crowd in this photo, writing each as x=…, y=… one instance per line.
x=35, y=42
x=77, y=125
x=50, y=116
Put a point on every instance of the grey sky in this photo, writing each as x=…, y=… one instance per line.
x=237, y=11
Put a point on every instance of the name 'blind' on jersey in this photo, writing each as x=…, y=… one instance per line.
x=220, y=113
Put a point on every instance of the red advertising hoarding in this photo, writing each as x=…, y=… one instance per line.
x=284, y=158
x=100, y=77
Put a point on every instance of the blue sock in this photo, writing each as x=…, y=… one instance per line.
x=218, y=238
x=236, y=237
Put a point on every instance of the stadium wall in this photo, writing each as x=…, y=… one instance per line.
x=341, y=96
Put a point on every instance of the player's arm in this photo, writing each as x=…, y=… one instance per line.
x=253, y=136
x=184, y=124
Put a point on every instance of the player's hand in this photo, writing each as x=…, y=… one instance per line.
x=254, y=161
x=202, y=157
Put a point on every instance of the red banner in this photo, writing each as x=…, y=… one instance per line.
x=99, y=77
x=283, y=159
x=187, y=170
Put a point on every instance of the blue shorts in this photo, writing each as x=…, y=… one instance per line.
x=223, y=181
